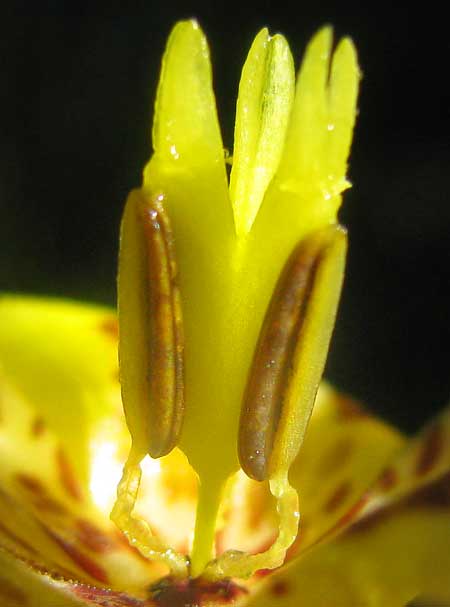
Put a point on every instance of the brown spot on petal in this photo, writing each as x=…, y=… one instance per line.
x=39, y=494
x=48, y=504
x=338, y=497
x=432, y=448
x=348, y=409
x=110, y=327
x=38, y=427
x=11, y=595
x=195, y=593
x=31, y=484
x=84, y=562
x=16, y=539
x=336, y=457
x=93, y=538
x=280, y=588
x=352, y=513
x=67, y=476
x=388, y=479
x=434, y=495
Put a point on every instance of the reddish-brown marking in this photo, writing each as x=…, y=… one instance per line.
x=109, y=326
x=16, y=539
x=195, y=593
x=388, y=479
x=93, y=538
x=262, y=573
x=31, y=484
x=349, y=409
x=67, y=476
x=13, y=596
x=347, y=518
x=49, y=504
x=435, y=495
x=432, y=448
x=88, y=565
x=338, y=497
x=336, y=457
x=104, y=597
x=280, y=588
x=40, y=497
x=38, y=427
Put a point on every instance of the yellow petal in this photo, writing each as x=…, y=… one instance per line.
x=394, y=546
x=344, y=452
x=21, y=585
x=49, y=512
x=62, y=357
x=404, y=556
x=263, y=109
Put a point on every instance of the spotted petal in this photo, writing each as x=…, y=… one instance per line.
x=344, y=452
x=392, y=547
x=51, y=513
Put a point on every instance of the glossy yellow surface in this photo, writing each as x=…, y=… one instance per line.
x=288, y=173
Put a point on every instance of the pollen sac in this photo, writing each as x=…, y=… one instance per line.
x=150, y=327
x=290, y=354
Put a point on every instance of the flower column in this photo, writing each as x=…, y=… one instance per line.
x=224, y=251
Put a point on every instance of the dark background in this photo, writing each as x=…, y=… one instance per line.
x=78, y=85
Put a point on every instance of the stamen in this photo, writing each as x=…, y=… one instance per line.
x=151, y=340
x=136, y=530
x=234, y=563
x=273, y=364
x=282, y=385
x=150, y=360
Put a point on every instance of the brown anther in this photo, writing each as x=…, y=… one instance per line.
x=273, y=364
x=156, y=313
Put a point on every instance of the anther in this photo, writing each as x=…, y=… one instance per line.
x=151, y=341
x=284, y=332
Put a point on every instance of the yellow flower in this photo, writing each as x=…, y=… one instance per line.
x=227, y=298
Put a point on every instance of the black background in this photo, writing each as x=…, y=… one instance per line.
x=78, y=83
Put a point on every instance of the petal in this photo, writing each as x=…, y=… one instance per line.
x=62, y=357
x=47, y=516
x=397, y=560
x=23, y=584
x=395, y=547
x=344, y=451
x=48, y=512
